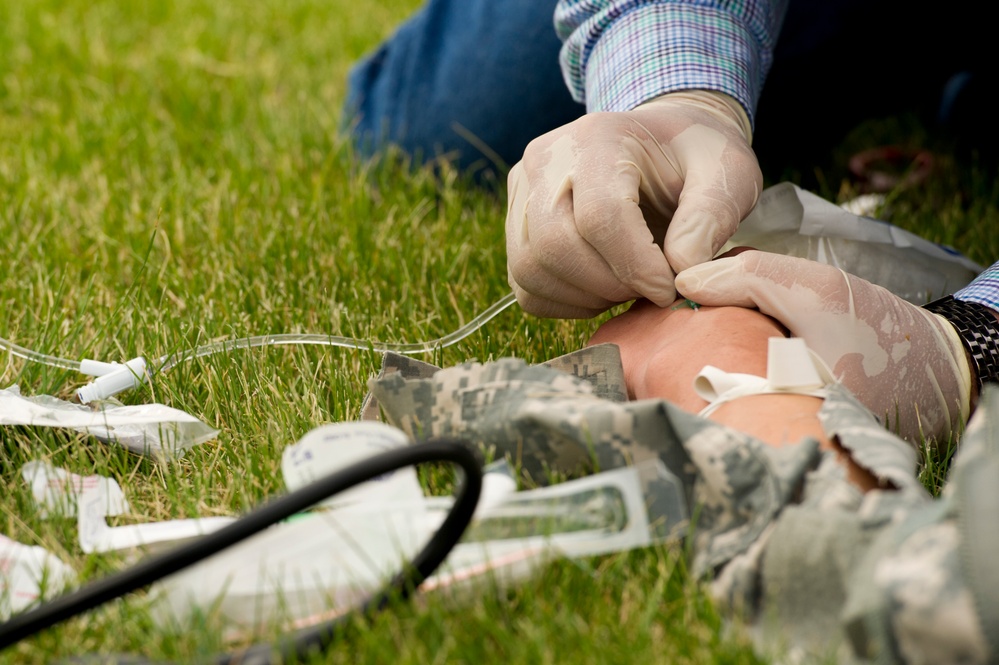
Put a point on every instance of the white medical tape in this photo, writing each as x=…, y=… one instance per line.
x=792, y=369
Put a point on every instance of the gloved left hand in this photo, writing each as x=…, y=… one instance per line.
x=606, y=209
x=904, y=363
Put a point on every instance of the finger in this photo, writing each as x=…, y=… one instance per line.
x=553, y=309
x=538, y=293
x=546, y=288
x=792, y=290
x=546, y=256
x=723, y=282
x=721, y=186
x=609, y=219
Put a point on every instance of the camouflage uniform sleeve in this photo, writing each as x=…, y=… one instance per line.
x=927, y=590
x=782, y=536
x=890, y=576
x=547, y=420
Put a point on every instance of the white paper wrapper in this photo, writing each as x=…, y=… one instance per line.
x=148, y=429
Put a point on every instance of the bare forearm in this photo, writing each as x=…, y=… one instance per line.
x=664, y=349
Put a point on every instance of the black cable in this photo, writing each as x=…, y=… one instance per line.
x=308, y=640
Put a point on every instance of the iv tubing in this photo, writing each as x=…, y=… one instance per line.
x=35, y=357
x=166, y=362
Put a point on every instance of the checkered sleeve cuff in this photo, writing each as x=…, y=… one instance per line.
x=984, y=290
x=658, y=49
x=618, y=54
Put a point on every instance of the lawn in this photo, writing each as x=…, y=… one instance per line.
x=171, y=174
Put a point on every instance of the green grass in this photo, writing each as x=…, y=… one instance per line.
x=171, y=174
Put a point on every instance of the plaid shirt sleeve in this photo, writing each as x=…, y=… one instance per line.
x=984, y=290
x=617, y=54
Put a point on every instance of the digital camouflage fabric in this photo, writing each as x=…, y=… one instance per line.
x=815, y=566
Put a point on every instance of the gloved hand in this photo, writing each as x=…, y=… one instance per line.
x=606, y=209
x=904, y=363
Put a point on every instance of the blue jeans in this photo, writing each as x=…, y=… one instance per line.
x=476, y=80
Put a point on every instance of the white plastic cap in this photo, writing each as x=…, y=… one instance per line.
x=98, y=368
x=125, y=377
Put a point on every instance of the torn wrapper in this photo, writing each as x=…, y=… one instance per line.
x=147, y=429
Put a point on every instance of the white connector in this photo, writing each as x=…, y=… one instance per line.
x=112, y=378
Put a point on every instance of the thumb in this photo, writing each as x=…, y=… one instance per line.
x=719, y=283
x=695, y=237
x=704, y=221
x=721, y=186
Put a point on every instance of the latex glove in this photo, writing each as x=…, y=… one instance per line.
x=606, y=209
x=904, y=363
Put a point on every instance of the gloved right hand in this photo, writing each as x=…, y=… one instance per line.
x=606, y=209
x=904, y=363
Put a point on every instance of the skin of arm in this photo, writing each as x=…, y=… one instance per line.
x=663, y=350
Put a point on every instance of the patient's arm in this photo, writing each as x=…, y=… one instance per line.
x=663, y=349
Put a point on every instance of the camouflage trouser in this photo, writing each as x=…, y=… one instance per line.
x=815, y=565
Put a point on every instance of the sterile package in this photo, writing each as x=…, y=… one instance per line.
x=325, y=562
x=92, y=499
x=96, y=536
x=788, y=220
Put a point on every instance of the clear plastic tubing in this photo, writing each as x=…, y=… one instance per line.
x=166, y=362
x=35, y=357
x=225, y=346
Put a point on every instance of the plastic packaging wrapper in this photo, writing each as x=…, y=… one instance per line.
x=91, y=499
x=148, y=429
x=326, y=449
x=788, y=220
x=326, y=562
